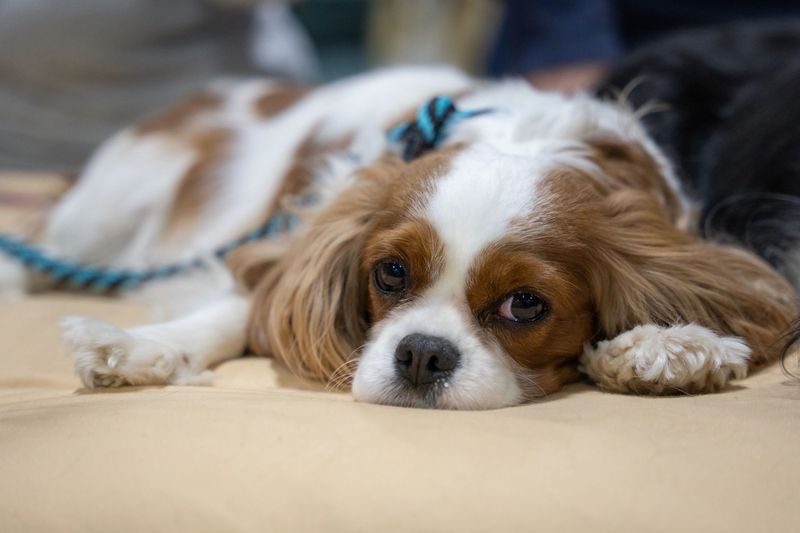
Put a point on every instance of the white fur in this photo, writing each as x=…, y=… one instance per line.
x=179, y=351
x=125, y=193
x=651, y=359
x=475, y=202
x=484, y=378
x=523, y=114
x=265, y=149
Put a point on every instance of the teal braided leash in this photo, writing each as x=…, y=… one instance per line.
x=103, y=279
x=427, y=131
x=414, y=138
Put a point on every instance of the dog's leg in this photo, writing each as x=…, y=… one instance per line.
x=651, y=359
x=179, y=351
x=13, y=278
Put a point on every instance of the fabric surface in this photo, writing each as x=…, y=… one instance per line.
x=262, y=451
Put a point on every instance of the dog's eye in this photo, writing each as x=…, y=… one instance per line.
x=390, y=276
x=523, y=307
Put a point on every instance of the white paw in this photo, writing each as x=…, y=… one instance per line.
x=108, y=356
x=665, y=360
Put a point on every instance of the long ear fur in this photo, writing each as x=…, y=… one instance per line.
x=645, y=271
x=310, y=305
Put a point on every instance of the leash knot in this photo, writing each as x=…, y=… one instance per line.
x=429, y=128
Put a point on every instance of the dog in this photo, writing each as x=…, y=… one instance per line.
x=542, y=237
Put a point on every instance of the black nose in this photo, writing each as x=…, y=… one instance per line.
x=424, y=359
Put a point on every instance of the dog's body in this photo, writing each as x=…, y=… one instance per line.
x=548, y=232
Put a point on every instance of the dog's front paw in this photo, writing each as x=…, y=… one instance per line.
x=108, y=356
x=651, y=359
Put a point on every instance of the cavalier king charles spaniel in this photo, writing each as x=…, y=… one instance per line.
x=543, y=240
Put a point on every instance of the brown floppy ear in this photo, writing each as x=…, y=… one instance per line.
x=628, y=165
x=310, y=304
x=643, y=270
x=250, y=263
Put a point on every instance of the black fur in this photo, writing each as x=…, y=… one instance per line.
x=731, y=125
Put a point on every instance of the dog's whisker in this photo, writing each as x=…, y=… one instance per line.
x=343, y=374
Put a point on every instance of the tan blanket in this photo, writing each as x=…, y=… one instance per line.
x=260, y=451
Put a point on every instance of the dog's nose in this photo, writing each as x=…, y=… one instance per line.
x=424, y=359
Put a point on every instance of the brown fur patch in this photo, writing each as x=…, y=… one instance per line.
x=415, y=243
x=307, y=158
x=628, y=166
x=414, y=181
x=200, y=182
x=642, y=269
x=180, y=114
x=545, y=346
x=277, y=99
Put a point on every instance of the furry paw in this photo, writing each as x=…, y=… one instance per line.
x=656, y=360
x=108, y=356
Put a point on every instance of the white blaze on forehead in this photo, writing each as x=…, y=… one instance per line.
x=483, y=191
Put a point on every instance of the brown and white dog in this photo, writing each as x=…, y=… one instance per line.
x=546, y=238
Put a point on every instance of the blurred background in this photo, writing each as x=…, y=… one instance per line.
x=74, y=71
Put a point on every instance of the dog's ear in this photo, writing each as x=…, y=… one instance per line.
x=249, y=263
x=310, y=303
x=643, y=270
x=629, y=165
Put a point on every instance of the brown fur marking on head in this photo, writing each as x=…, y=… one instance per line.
x=417, y=245
x=545, y=347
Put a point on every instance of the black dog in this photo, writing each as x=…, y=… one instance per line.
x=730, y=122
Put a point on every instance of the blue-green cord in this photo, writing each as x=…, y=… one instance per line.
x=102, y=279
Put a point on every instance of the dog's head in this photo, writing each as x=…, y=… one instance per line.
x=473, y=276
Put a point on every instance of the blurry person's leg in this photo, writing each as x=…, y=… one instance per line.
x=567, y=45
x=558, y=45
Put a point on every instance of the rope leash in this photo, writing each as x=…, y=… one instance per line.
x=102, y=279
x=427, y=131
x=411, y=139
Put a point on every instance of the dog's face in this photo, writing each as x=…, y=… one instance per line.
x=473, y=276
x=469, y=278
x=472, y=296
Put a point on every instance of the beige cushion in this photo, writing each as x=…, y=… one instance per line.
x=261, y=451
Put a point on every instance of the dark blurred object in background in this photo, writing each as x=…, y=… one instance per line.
x=566, y=44
x=728, y=120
